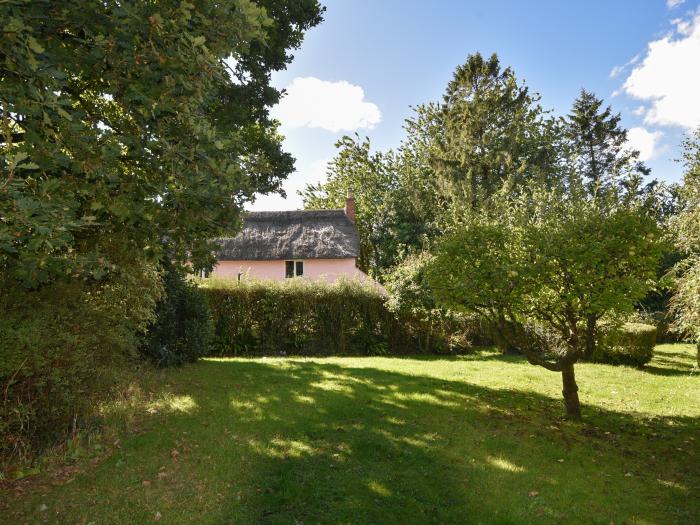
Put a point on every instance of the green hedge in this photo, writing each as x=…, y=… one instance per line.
x=411, y=299
x=631, y=344
x=61, y=348
x=304, y=318
x=182, y=330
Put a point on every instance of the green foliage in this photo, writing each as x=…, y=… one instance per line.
x=302, y=317
x=143, y=120
x=122, y=124
x=392, y=196
x=686, y=300
x=545, y=265
x=549, y=255
x=369, y=177
x=60, y=348
x=411, y=299
x=598, y=144
x=630, y=344
x=182, y=330
x=492, y=130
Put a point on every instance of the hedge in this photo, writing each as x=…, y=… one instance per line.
x=182, y=330
x=631, y=344
x=303, y=318
x=61, y=349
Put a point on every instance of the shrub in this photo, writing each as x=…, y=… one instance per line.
x=182, y=330
x=411, y=299
x=59, y=349
x=629, y=344
x=302, y=317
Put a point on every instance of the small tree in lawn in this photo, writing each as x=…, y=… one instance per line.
x=539, y=264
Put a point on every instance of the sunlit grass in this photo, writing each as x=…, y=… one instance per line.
x=470, y=439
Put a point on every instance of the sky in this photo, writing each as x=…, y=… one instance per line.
x=369, y=61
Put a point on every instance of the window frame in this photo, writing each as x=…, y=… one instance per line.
x=296, y=264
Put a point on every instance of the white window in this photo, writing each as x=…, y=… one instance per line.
x=293, y=269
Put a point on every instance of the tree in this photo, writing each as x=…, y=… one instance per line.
x=599, y=144
x=597, y=150
x=371, y=178
x=686, y=300
x=488, y=131
x=138, y=121
x=538, y=264
x=492, y=129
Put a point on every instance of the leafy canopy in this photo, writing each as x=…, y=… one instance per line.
x=544, y=265
x=142, y=121
x=686, y=301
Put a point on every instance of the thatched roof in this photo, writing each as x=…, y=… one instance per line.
x=305, y=234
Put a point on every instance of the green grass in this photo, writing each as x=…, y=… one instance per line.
x=473, y=439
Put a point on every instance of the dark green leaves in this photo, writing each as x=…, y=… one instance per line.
x=118, y=120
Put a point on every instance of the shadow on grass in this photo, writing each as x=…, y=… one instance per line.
x=285, y=442
x=320, y=442
x=669, y=372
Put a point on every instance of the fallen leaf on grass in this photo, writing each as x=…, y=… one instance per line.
x=158, y=516
x=533, y=494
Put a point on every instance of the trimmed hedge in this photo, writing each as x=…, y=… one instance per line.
x=304, y=318
x=631, y=344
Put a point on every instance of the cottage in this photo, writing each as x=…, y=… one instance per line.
x=313, y=244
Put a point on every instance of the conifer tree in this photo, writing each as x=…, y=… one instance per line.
x=598, y=143
x=493, y=129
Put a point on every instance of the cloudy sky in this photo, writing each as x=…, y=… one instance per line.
x=370, y=60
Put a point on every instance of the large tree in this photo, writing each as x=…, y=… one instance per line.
x=492, y=129
x=538, y=265
x=126, y=124
x=598, y=144
x=394, y=194
x=489, y=130
x=370, y=177
x=686, y=300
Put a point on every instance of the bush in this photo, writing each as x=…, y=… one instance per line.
x=182, y=330
x=630, y=344
x=436, y=329
x=60, y=347
x=302, y=317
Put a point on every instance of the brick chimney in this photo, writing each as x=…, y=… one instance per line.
x=350, y=206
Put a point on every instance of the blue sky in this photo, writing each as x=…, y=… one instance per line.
x=369, y=61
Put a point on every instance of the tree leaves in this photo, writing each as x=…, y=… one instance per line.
x=132, y=112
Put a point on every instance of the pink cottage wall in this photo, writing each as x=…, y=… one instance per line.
x=316, y=269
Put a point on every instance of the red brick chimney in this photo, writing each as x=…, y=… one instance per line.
x=350, y=206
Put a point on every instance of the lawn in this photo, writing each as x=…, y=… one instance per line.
x=472, y=439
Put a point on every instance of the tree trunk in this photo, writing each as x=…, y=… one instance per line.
x=570, y=392
x=591, y=321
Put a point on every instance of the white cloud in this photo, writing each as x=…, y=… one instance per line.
x=646, y=142
x=673, y=3
x=639, y=111
x=619, y=69
x=333, y=106
x=669, y=77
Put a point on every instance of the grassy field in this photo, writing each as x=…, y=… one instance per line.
x=473, y=439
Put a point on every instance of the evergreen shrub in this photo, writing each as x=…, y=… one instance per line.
x=630, y=344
